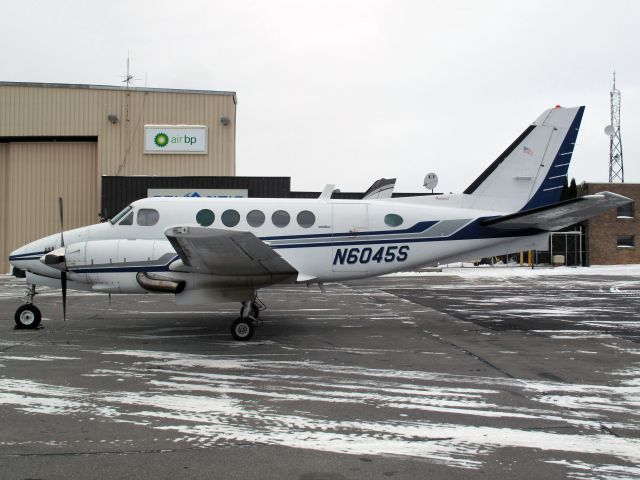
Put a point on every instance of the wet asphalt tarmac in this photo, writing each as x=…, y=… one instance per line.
x=397, y=377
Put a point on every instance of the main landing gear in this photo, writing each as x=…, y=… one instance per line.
x=244, y=327
x=28, y=315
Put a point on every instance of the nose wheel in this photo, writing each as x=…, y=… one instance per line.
x=28, y=316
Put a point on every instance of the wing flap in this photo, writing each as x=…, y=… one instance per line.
x=226, y=252
x=559, y=215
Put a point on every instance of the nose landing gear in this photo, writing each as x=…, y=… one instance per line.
x=28, y=315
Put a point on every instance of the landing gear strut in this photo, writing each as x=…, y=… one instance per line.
x=244, y=327
x=28, y=315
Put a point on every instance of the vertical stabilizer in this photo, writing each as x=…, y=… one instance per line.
x=530, y=173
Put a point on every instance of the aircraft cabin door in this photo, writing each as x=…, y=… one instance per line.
x=350, y=221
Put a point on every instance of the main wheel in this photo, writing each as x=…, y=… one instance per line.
x=242, y=329
x=28, y=316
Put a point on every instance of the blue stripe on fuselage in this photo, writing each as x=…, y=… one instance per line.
x=472, y=231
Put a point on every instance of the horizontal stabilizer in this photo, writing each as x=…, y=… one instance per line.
x=560, y=215
x=382, y=188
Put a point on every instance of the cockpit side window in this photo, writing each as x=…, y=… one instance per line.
x=148, y=217
x=128, y=220
x=119, y=216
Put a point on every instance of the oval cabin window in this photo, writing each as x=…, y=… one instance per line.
x=205, y=217
x=255, y=218
x=306, y=219
x=393, y=220
x=230, y=218
x=280, y=218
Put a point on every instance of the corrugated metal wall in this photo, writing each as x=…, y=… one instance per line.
x=36, y=174
x=37, y=110
x=4, y=182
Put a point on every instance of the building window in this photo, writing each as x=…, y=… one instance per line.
x=393, y=220
x=626, y=241
x=148, y=217
x=306, y=219
x=255, y=218
x=230, y=218
x=205, y=217
x=280, y=218
x=626, y=210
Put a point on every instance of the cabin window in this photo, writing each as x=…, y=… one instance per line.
x=230, y=218
x=255, y=218
x=148, y=217
x=205, y=217
x=128, y=220
x=306, y=219
x=122, y=213
x=393, y=220
x=626, y=241
x=626, y=210
x=280, y=218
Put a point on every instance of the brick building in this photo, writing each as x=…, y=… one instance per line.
x=612, y=238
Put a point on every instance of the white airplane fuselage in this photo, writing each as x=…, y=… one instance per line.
x=347, y=240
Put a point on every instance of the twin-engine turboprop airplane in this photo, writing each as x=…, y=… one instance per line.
x=206, y=250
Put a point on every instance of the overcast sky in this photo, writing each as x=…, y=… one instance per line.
x=346, y=92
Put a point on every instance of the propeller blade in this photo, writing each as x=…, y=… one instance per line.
x=60, y=209
x=63, y=273
x=63, y=281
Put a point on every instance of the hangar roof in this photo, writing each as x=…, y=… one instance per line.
x=117, y=87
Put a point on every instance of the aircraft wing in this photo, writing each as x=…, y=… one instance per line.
x=225, y=252
x=559, y=215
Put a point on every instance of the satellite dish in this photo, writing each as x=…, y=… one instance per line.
x=430, y=181
x=608, y=130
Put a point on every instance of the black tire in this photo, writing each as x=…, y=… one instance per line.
x=242, y=329
x=28, y=316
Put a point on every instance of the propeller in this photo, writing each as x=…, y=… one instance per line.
x=63, y=272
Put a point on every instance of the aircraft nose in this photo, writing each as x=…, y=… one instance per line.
x=17, y=254
x=23, y=257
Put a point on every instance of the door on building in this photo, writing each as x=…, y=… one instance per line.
x=35, y=175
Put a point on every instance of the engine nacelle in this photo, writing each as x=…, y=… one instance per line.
x=101, y=263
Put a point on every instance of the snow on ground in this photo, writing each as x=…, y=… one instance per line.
x=517, y=271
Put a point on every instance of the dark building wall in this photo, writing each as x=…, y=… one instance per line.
x=118, y=192
x=603, y=230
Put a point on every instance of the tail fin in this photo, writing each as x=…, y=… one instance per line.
x=530, y=173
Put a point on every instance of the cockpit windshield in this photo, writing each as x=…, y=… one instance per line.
x=117, y=218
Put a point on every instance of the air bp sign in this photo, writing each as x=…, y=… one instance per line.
x=175, y=139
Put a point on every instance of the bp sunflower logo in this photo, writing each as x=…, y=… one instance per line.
x=161, y=140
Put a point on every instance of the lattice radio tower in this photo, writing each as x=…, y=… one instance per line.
x=616, y=168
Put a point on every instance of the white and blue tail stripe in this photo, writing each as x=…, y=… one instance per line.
x=531, y=172
x=550, y=189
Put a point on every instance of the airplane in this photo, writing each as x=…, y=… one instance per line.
x=209, y=250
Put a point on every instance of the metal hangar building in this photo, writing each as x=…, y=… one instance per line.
x=62, y=140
